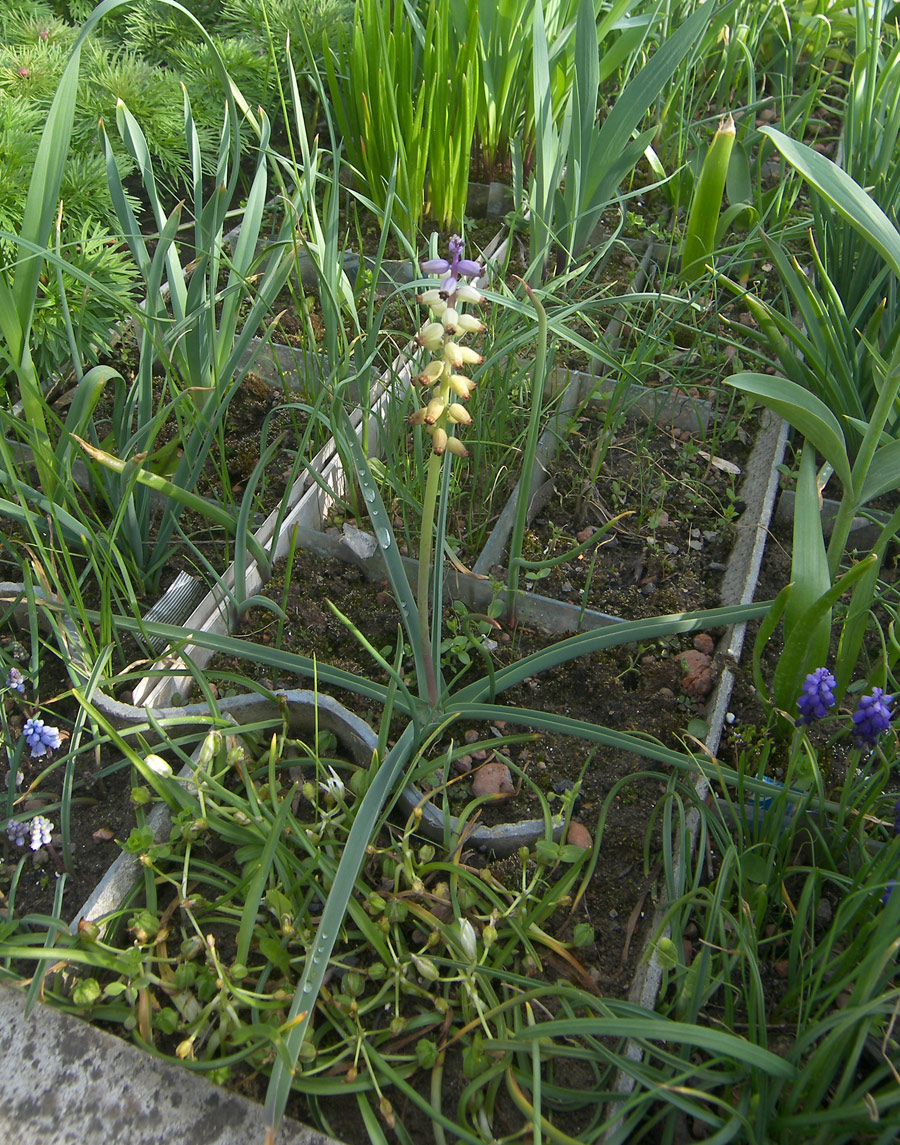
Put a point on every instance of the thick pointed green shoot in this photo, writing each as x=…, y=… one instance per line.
x=706, y=206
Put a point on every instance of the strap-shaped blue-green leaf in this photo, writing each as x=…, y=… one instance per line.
x=810, y=573
x=883, y=474
x=795, y=661
x=805, y=412
x=844, y=194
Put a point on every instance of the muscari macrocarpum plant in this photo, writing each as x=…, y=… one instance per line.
x=435, y=709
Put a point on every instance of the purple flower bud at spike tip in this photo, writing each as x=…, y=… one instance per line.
x=816, y=696
x=41, y=832
x=435, y=266
x=871, y=718
x=468, y=267
x=15, y=681
x=40, y=738
x=17, y=832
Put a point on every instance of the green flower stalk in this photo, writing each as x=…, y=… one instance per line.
x=444, y=410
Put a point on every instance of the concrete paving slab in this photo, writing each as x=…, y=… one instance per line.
x=64, y=1082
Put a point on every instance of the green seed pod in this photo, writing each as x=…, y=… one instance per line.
x=354, y=983
x=426, y=967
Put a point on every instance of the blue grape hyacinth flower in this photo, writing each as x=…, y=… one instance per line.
x=17, y=832
x=40, y=738
x=872, y=717
x=816, y=696
x=38, y=832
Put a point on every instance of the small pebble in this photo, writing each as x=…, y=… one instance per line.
x=697, y=680
x=579, y=836
x=493, y=779
x=703, y=642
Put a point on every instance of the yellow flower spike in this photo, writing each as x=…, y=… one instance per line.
x=434, y=410
x=439, y=439
x=456, y=447
x=458, y=414
x=431, y=336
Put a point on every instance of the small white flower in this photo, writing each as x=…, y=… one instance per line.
x=333, y=785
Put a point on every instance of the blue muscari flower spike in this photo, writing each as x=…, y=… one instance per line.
x=816, y=696
x=40, y=738
x=871, y=718
x=454, y=268
x=15, y=681
x=17, y=832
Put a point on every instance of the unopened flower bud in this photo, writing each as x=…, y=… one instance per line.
x=209, y=749
x=458, y=414
x=458, y=355
x=467, y=293
x=467, y=940
x=440, y=440
x=431, y=336
x=453, y=354
x=434, y=409
x=469, y=267
x=417, y=417
x=158, y=765
x=450, y=320
x=435, y=266
x=461, y=385
x=469, y=324
x=430, y=297
x=456, y=447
